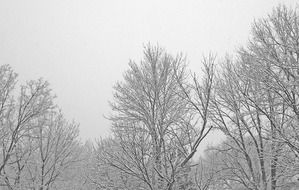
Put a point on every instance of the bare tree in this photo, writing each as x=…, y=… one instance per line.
x=37, y=144
x=112, y=169
x=34, y=101
x=207, y=173
x=232, y=114
x=272, y=60
x=57, y=151
x=153, y=122
x=198, y=94
x=255, y=104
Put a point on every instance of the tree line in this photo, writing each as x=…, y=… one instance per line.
x=160, y=114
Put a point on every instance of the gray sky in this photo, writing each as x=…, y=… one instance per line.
x=82, y=47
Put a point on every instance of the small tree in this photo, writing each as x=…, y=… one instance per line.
x=57, y=151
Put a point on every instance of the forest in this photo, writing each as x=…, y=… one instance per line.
x=161, y=112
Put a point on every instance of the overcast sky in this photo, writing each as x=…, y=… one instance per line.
x=82, y=47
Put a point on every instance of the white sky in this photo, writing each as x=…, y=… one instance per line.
x=82, y=47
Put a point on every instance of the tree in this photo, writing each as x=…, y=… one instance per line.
x=255, y=102
x=107, y=172
x=57, y=151
x=274, y=50
x=207, y=173
x=242, y=125
x=34, y=101
x=153, y=122
x=271, y=60
x=37, y=144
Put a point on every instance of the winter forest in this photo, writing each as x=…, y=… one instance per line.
x=161, y=112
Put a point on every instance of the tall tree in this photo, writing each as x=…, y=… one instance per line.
x=271, y=59
x=255, y=104
x=153, y=122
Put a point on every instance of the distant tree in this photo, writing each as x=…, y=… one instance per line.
x=206, y=174
x=77, y=175
x=57, y=151
x=106, y=174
